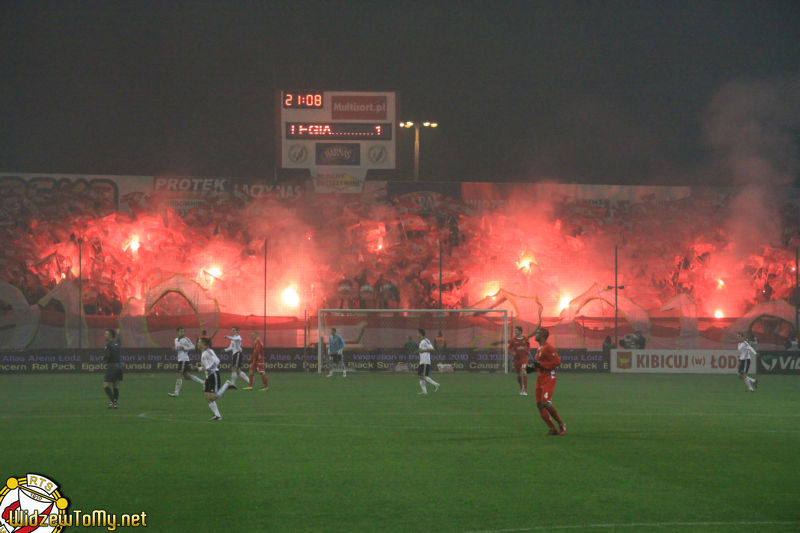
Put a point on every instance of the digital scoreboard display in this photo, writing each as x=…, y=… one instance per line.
x=339, y=136
x=339, y=131
x=302, y=100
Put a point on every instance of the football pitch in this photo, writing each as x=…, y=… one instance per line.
x=367, y=453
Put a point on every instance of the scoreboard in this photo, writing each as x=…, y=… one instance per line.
x=337, y=131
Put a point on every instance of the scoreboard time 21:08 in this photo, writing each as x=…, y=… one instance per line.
x=297, y=100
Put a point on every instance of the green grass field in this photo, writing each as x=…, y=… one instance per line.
x=366, y=453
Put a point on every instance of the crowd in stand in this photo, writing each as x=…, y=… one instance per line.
x=379, y=254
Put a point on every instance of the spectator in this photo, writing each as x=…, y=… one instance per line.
x=633, y=341
x=752, y=339
x=346, y=291
x=386, y=291
x=608, y=345
x=638, y=340
x=410, y=347
x=792, y=343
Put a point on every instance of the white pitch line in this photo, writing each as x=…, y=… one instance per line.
x=640, y=524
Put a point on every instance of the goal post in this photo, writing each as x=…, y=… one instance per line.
x=387, y=339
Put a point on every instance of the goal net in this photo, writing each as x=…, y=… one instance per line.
x=388, y=339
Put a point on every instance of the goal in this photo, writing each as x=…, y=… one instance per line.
x=387, y=339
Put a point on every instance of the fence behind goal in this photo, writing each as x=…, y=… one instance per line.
x=388, y=339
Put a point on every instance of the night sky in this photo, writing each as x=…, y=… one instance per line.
x=587, y=92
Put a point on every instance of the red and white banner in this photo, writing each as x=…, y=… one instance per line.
x=676, y=361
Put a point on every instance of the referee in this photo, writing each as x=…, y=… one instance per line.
x=113, y=368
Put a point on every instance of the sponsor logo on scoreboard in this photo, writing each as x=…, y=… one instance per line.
x=359, y=107
x=377, y=154
x=338, y=154
x=298, y=153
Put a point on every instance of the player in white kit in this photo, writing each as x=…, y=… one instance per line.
x=746, y=353
x=236, y=349
x=424, y=367
x=209, y=363
x=182, y=347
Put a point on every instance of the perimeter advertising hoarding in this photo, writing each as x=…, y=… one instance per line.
x=139, y=360
x=777, y=362
x=579, y=360
x=676, y=361
x=277, y=360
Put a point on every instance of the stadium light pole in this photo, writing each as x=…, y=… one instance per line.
x=80, y=292
x=440, y=282
x=616, y=288
x=440, y=273
x=416, y=126
x=265, y=293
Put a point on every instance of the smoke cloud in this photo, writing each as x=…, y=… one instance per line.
x=752, y=129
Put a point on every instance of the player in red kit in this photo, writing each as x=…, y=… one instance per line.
x=519, y=347
x=257, y=363
x=545, y=363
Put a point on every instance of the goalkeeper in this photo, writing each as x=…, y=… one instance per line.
x=336, y=346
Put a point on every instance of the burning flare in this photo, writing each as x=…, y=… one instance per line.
x=290, y=297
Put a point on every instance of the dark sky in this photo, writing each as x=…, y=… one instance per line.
x=590, y=91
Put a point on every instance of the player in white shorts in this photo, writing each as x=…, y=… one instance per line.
x=746, y=353
x=182, y=347
x=236, y=349
x=424, y=367
x=209, y=363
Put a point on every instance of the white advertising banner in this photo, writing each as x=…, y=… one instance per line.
x=676, y=361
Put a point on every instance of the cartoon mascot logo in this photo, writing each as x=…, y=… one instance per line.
x=31, y=503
